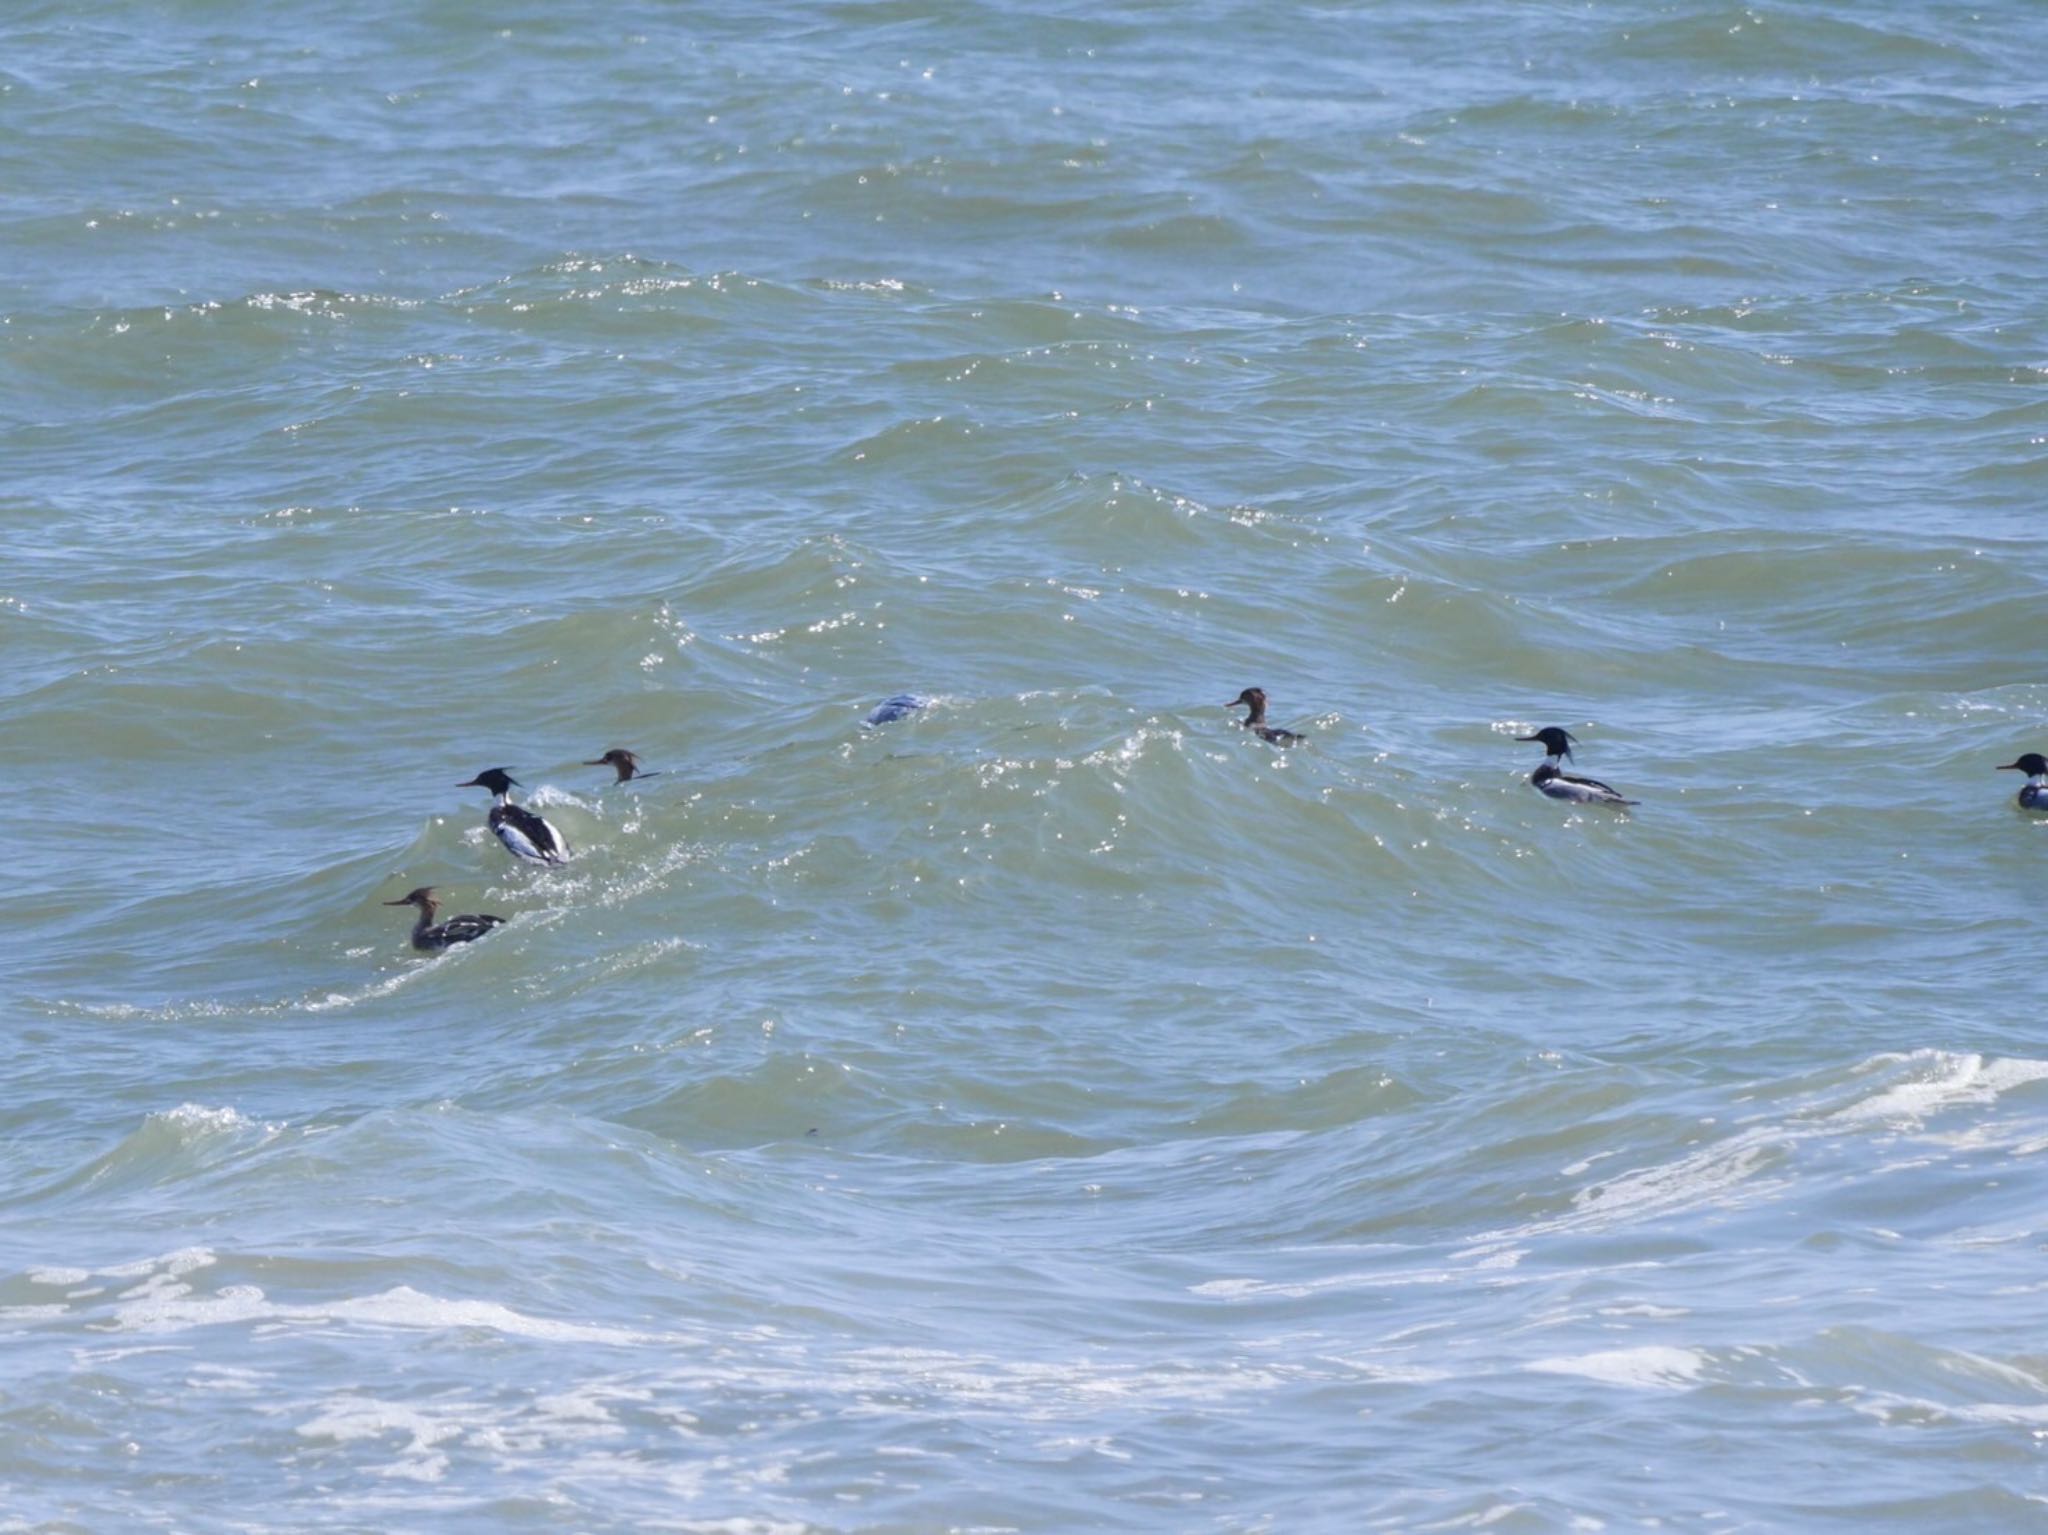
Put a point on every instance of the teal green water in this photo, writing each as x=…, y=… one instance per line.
x=1058, y=1109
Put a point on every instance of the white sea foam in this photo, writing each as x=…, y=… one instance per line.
x=1757, y=1161
x=198, y=1117
x=42, y=1313
x=163, y=1304
x=1937, y=1081
x=1895, y=1409
x=173, y=1265
x=352, y=1420
x=1362, y=1279
x=1712, y=1174
x=1648, y=1367
x=206, y=1008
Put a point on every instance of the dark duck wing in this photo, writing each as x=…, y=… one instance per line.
x=459, y=930
x=526, y=835
x=1276, y=735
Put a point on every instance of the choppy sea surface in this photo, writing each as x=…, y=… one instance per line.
x=1056, y=1109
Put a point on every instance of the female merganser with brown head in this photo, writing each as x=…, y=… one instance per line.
x=429, y=938
x=1557, y=783
x=524, y=834
x=1255, y=700
x=622, y=762
x=2034, y=792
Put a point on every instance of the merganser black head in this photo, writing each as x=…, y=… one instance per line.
x=497, y=780
x=424, y=898
x=1253, y=699
x=622, y=762
x=1555, y=738
x=2033, y=764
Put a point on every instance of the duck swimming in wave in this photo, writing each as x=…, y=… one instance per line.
x=2033, y=793
x=1558, y=784
x=524, y=833
x=1254, y=699
x=895, y=707
x=622, y=762
x=429, y=937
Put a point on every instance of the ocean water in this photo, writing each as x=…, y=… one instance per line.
x=1054, y=1109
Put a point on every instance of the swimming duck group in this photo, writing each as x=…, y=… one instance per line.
x=527, y=834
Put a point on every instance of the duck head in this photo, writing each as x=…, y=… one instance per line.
x=622, y=762
x=1557, y=741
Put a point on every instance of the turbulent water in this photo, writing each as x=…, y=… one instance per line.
x=1056, y=1109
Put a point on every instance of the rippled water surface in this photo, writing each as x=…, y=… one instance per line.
x=1054, y=1109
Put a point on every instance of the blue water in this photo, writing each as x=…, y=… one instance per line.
x=1053, y=1108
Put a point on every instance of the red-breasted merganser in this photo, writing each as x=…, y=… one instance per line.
x=1255, y=700
x=430, y=938
x=1558, y=784
x=524, y=834
x=895, y=707
x=2034, y=792
x=622, y=762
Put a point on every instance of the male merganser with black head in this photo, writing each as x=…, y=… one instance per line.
x=1557, y=741
x=2034, y=792
x=622, y=762
x=1254, y=699
x=524, y=834
x=430, y=938
x=1557, y=783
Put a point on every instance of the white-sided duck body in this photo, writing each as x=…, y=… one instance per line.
x=1579, y=791
x=523, y=832
x=430, y=937
x=1557, y=783
x=2033, y=793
